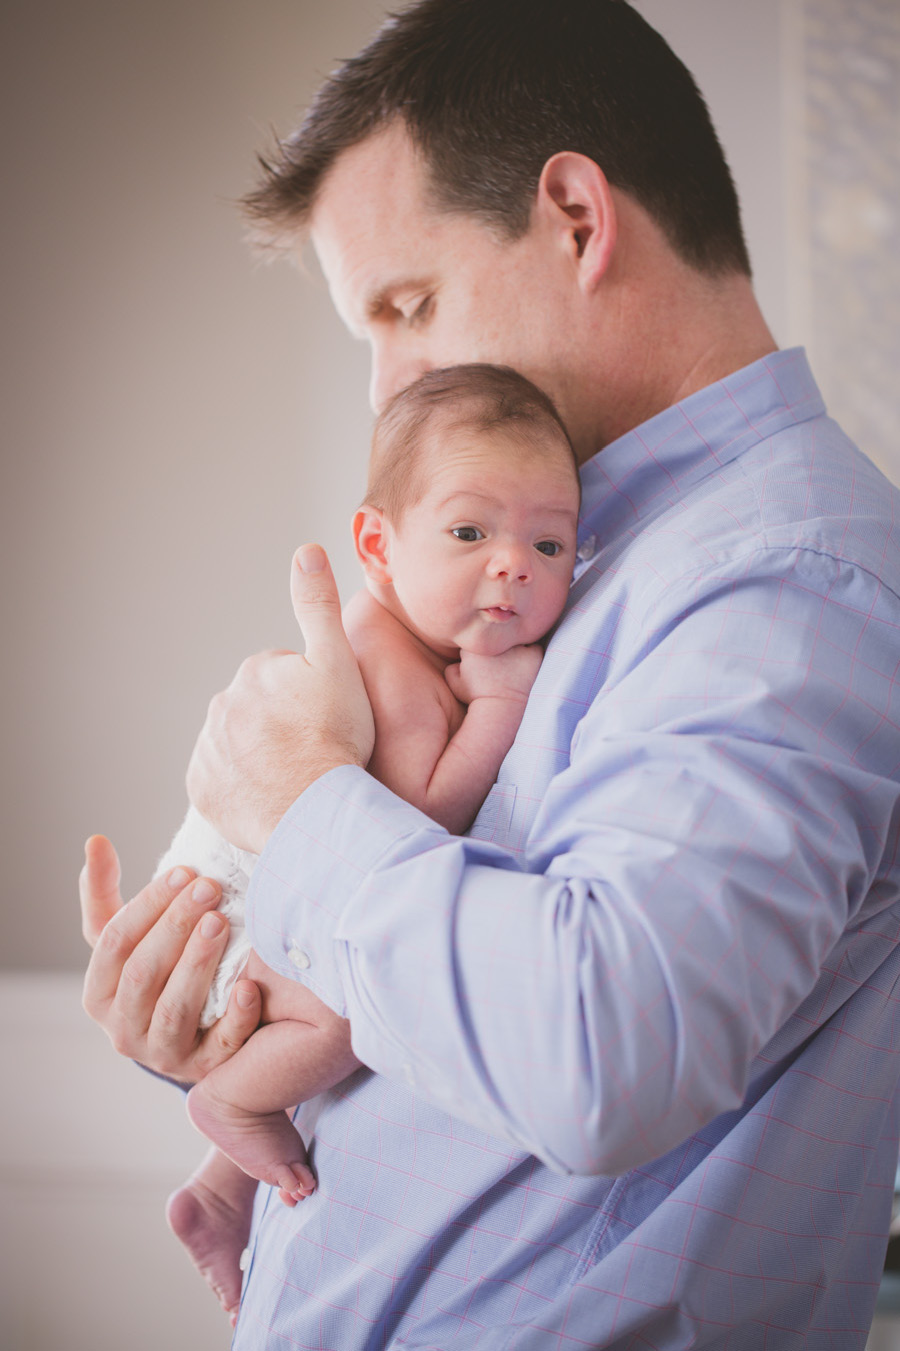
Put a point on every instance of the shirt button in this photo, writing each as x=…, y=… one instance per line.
x=244, y=1262
x=409, y=1074
x=587, y=548
x=297, y=957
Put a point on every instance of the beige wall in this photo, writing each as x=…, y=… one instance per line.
x=176, y=419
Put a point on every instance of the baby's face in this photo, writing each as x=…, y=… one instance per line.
x=484, y=559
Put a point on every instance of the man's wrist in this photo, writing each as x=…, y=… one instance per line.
x=312, y=773
x=312, y=866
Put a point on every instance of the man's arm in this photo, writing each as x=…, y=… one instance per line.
x=687, y=872
x=604, y=995
x=284, y=720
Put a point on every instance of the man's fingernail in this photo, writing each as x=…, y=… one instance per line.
x=203, y=891
x=311, y=558
x=245, y=998
x=210, y=926
x=178, y=878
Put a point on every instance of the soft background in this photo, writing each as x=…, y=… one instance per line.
x=177, y=418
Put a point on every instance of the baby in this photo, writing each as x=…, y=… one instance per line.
x=467, y=542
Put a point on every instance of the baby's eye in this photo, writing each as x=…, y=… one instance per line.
x=548, y=547
x=467, y=533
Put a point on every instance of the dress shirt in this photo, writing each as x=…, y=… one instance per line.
x=632, y=1044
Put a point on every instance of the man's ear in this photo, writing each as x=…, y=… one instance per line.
x=371, y=535
x=574, y=198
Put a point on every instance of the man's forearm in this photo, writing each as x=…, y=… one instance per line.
x=552, y=1009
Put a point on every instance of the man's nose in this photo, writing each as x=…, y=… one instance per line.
x=390, y=375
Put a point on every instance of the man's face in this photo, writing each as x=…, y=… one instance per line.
x=483, y=560
x=428, y=288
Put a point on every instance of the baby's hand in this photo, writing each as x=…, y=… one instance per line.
x=509, y=675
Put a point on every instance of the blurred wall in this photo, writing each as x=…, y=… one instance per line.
x=842, y=116
x=177, y=417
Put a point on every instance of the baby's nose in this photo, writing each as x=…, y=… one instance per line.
x=513, y=561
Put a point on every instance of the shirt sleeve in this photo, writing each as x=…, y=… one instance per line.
x=687, y=874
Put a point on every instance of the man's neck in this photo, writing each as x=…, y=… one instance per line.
x=682, y=332
x=740, y=338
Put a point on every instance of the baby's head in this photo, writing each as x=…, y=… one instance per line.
x=468, y=529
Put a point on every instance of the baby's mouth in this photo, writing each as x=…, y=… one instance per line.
x=500, y=614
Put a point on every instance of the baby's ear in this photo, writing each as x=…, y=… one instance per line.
x=371, y=535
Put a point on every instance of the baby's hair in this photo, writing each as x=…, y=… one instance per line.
x=477, y=396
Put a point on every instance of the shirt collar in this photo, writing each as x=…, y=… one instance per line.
x=655, y=464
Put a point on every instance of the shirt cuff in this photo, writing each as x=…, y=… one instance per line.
x=176, y=1083
x=319, y=854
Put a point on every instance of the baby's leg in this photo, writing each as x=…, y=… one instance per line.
x=211, y=1214
x=240, y=1105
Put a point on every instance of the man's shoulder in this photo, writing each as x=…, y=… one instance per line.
x=803, y=504
x=805, y=487
x=809, y=487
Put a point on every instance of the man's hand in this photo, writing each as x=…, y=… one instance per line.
x=509, y=675
x=152, y=965
x=284, y=720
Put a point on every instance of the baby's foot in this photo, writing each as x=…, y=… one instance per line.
x=265, y=1145
x=214, y=1231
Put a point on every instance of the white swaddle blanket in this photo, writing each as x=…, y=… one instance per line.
x=197, y=845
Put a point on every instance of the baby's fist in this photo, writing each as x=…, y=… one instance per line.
x=508, y=675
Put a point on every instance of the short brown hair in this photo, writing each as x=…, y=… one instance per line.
x=489, y=90
x=478, y=397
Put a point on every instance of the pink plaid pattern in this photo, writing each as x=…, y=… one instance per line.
x=633, y=1040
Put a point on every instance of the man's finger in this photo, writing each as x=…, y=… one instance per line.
x=317, y=606
x=156, y=956
x=98, y=887
x=140, y=945
x=176, y=1013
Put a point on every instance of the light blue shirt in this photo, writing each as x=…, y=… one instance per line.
x=633, y=1041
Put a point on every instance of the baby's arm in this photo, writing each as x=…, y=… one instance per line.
x=496, y=691
x=429, y=748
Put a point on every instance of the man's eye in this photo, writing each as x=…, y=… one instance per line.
x=548, y=547
x=420, y=313
x=467, y=533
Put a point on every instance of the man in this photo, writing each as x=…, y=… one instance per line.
x=634, y=1080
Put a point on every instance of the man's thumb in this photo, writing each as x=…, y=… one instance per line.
x=316, y=602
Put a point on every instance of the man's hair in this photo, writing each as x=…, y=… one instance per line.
x=478, y=398
x=489, y=90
